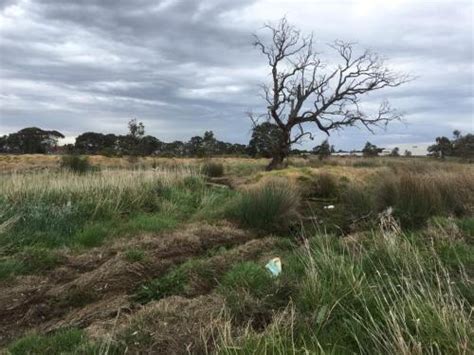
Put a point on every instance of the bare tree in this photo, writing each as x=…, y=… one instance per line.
x=305, y=91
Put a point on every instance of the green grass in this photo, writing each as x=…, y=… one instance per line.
x=32, y=260
x=418, y=196
x=389, y=297
x=172, y=283
x=467, y=225
x=62, y=342
x=187, y=279
x=252, y=294
x=11, y=267
x=134, y=255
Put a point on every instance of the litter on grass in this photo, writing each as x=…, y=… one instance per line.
x=329, y=207
x=274, y=266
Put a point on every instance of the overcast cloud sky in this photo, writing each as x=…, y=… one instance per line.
x=186, y=66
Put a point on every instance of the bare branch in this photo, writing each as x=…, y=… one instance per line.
x=304, y=90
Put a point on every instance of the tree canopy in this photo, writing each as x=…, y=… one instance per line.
x=459, y=146
x=31, y=140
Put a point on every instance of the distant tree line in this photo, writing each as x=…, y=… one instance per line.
x=138, y=144
x=34, y=140
x=266, y=138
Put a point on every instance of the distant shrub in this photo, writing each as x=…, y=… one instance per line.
x=271, y=206
x=213, y=169
x=324, y=185
x=76, y=163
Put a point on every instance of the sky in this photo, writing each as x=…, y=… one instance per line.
x=185, y=66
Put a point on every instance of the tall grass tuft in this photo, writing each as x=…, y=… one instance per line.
x=324, y=185
x=271, y=206
x=418, y=196
x=212, y=169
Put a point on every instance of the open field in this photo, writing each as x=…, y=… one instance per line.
x=157, y=255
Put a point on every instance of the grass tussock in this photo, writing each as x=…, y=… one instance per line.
x=417, y=197
x=324, y=185
x=76, y=163
x=270, y=206
x=212, y=169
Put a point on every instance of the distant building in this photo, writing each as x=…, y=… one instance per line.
x=343, y=153
x=416, y=149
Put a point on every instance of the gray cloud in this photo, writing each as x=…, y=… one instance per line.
x=184, y=66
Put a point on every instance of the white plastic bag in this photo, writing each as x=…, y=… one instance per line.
x=274, y=266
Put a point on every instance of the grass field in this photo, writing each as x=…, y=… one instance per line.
x=156, y=255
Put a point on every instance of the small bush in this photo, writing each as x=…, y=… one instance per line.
x=213, y=169
x=386, y=192
x=76, y=163
x=271, y=206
